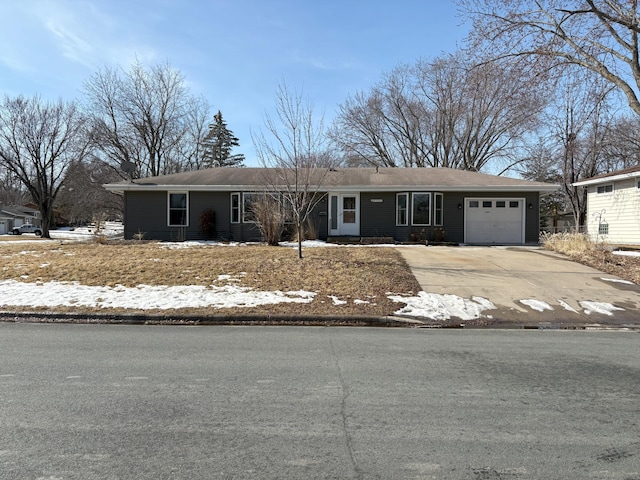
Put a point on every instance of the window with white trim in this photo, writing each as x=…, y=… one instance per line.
x=235, y=207
x=178, y=209
x=421, y=209
x=402, y=209
x=438, y=207
x=601, y=189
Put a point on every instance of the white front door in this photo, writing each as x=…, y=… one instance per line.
x=344, y=218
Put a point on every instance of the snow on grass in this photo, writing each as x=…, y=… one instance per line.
x=442, y=307
x=56, y=294
x=599, y=307
x=537, y=305
x=617, y=280
x=336, y=300
x=109, y=229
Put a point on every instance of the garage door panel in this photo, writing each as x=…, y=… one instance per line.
x=494, y=221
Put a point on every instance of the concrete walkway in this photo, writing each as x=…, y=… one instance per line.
x=528, y=285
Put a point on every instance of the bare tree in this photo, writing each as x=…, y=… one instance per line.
x=622, y=150
x=294, y=147
x=12, y=192
x=442, y=113
x=38, y=142
x=597, y=36
x=146, y=118
x=83, y=197
x=575, y=143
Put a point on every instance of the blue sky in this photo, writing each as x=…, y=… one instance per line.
x=232, y=52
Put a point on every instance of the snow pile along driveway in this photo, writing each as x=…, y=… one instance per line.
x=442, y=307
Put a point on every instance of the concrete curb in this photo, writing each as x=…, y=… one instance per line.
x=293, y=320
x=173, y=319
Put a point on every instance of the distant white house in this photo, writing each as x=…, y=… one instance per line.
x=613, y=206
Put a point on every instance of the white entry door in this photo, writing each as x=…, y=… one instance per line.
x=344, y=218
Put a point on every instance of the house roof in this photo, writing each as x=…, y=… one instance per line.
x=631, y=172
x=18, y=211
x=340, y=179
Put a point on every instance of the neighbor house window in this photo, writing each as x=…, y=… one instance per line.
x=235, y=208
x=438, y=200
x=603, y=229
x=604, y=189
x=638, y=184
x=402, y=205
x=421, y=209
x=178, y=207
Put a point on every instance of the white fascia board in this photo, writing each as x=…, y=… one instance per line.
x=613, y=178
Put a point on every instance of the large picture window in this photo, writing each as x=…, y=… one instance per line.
x=248, y=199
x=421, y=209
x=178, y=209
x=402, y=209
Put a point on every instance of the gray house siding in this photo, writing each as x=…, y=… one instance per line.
x=378, y=214
x=147, y=213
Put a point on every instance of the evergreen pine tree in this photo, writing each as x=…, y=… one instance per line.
x=218, y=144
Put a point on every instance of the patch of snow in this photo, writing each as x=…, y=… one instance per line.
x=617, y=280
x=567, y=307
x=599, y=307
x=52, y=294
x=336, y=300
x=442, y=307
x=538, y=305
x=361, y=302
x=627, y=253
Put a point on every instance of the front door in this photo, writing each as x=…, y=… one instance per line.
x=345, y=214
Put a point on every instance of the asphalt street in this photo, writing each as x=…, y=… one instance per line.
x=158, y=402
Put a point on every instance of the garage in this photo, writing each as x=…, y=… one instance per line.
x=3, y=226
x=494, y=220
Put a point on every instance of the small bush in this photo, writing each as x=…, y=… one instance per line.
x=139, y=235
x=208, y=223
x=269, y=218
x=568, y=243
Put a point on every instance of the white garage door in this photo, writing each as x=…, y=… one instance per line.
x=3, y=227
x=494, y=220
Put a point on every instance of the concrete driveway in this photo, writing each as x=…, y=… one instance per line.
x=527, y=285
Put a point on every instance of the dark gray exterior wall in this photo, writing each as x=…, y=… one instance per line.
x=146, y=212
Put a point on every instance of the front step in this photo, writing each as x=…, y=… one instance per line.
x=361, y=240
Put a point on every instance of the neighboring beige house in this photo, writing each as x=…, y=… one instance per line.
x=613, y=206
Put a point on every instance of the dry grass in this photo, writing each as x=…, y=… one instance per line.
x=365, y=274
x=580, y=248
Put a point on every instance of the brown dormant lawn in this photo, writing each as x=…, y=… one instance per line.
x=360, y=277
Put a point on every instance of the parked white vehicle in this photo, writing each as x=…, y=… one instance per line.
x=27, y=228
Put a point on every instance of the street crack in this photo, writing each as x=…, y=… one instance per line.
x=346, y=391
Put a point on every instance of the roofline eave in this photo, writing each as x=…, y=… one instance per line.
x=121, y=188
